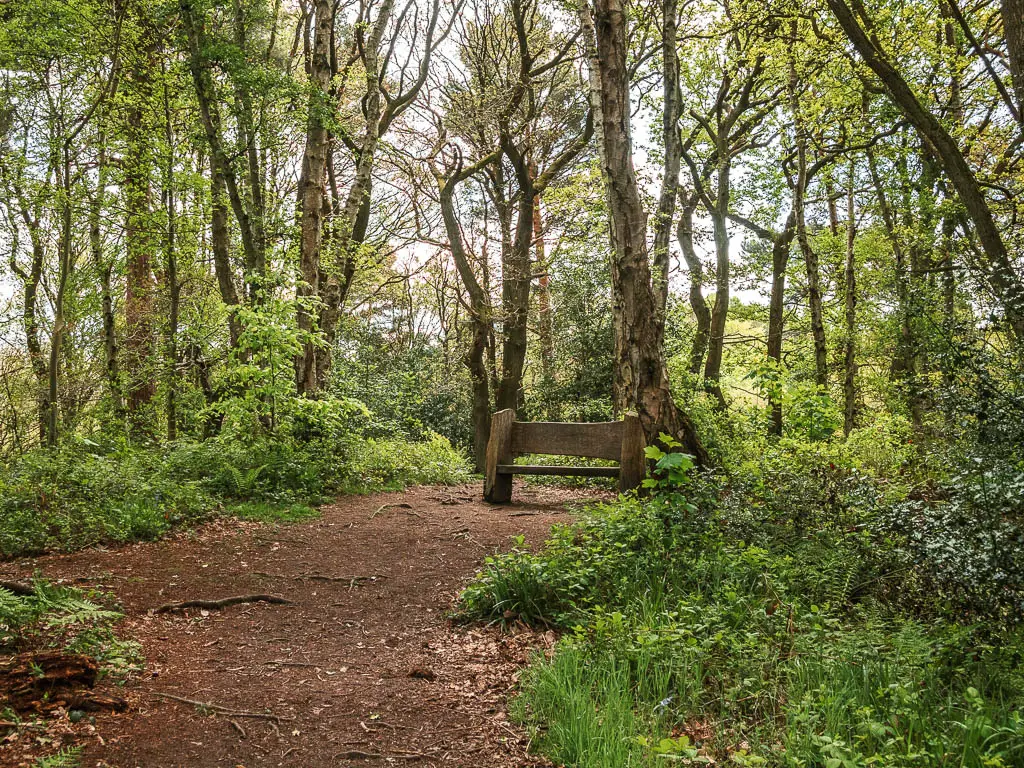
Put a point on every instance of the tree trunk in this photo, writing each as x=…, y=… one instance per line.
x=544, y=330
x=671, y=112
x=104, y=269
x=641, y=378
x=1013, y=25
x=220, y=244
x=850, y=313
x=311, y=190
x=720, y=309
x=684, y=234
x=140, y=244
x=814, y=300
x=1000, y=272
x=171, y=270
x=781, y=244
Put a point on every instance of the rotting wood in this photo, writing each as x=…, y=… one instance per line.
x=44, y=680
x=216, y=605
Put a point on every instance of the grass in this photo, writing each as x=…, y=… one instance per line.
x=683, y=644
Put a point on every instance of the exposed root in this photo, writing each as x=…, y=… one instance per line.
x=219, y=709
x=216, y=605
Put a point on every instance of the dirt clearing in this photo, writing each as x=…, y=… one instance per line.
x=359, y=667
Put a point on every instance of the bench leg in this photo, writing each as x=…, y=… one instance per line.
x=632, y=462
x=498, y=487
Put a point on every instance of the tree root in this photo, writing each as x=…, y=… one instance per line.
x=352, y=581
x=216, y=605
x=219, y=709
x=399, y=505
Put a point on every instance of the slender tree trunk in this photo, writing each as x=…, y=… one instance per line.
x=684, y=234
x=104, y=269
x=480, y=315
x=220, y=244
x=311, y=190
x=59, y=322
x=720, y=309
x=904, y=364
x=781, y=245
x=140, y=245
x=544, y=330
x=641, y=378
x=850, y=312
x=671, y=112
x=814, y=299
x=171, y=267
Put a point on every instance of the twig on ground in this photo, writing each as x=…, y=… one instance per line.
x=239, y=728
x=215, y=605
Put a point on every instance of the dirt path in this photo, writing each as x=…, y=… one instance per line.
x=359, y=673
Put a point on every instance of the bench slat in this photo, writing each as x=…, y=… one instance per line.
x=538, y=469
x=601, y=440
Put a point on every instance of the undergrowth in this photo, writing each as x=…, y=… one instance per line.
x=85, y=493
x=58, y=617
x=721, y=628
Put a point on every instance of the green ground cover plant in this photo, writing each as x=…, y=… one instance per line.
x=748, y=627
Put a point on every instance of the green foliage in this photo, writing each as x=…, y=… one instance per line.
x=686, y=641
x=84, y=494
x=62, y=617
x=70, y=757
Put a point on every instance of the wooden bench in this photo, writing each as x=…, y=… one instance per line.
x=621, y=441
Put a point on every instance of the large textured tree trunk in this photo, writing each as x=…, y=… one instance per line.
x=641, y=379
x=684, y=234
x=1000, y=273
x=311, y=189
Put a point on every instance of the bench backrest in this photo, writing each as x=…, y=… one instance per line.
x=621, y=441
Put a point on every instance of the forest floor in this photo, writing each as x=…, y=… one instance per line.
x=362, y=667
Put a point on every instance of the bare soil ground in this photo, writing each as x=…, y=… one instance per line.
x=362, y=668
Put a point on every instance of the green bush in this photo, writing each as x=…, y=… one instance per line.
x=84, y=494
x=684, y=643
